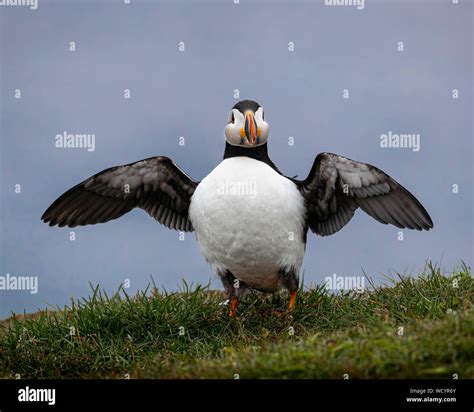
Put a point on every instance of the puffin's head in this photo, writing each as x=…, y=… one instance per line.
x=246, y=126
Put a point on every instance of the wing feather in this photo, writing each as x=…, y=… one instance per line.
x=155, y=185
x=336, y=186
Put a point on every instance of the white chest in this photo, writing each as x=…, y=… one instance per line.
x=250, y=220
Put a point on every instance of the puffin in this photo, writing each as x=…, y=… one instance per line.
x=251, y=221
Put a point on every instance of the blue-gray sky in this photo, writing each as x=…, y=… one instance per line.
x=188, y=93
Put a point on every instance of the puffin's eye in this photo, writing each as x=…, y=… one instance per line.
x=263, y=116
x=231, y=117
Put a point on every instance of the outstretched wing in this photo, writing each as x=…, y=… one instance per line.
x=155, y=185
x=337, y=186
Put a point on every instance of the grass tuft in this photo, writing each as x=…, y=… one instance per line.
x=415, y=327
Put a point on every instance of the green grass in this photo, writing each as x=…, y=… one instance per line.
x=327, y=335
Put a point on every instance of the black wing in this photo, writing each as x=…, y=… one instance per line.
x=155, y=185
x=337, y=186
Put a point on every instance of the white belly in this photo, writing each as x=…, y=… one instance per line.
x=249, y=220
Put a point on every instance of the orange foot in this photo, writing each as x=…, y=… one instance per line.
x=233, y=308
x=292, y=304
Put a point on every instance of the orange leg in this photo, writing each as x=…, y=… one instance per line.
x=233, y=307
x=292, y=304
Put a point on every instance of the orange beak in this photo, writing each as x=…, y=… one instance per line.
x=250, y=128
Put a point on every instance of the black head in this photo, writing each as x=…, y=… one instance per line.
x=246, y=126
x=245, y=105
